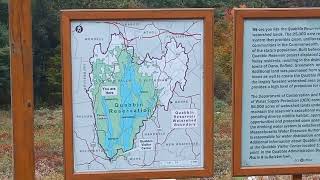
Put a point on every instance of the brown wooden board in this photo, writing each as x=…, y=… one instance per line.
x=67, y=16
x=21, y=88
x=240, y=15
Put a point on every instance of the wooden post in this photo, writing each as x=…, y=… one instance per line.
x=297, y=177
x=21, y=88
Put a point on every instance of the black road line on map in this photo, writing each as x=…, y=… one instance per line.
x=93, y=155
x=190, y=141
x=148, y=55
x=167, y=136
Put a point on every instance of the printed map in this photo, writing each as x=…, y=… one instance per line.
x=137, y=94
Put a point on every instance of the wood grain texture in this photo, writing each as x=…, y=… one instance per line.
x=138, y=14
x=264, y=13
x=297, y=177
x=21, y=88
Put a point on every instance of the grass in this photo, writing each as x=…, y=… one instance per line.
x=49, y=143
x=5, y=145
x=49, y=146
x=222, y=141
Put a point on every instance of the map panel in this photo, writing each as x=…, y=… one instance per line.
x=137, y=94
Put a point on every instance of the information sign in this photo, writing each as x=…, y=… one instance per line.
x=276, y=95
x=138, y=93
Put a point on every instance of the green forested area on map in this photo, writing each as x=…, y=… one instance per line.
x=46, y=39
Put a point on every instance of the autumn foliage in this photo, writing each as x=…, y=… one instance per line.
x=223, y=39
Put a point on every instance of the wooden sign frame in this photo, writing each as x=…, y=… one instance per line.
x=240, y=14
x=138, y=14
x=21, y=75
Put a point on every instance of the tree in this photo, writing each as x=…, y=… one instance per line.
x=4, y=65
